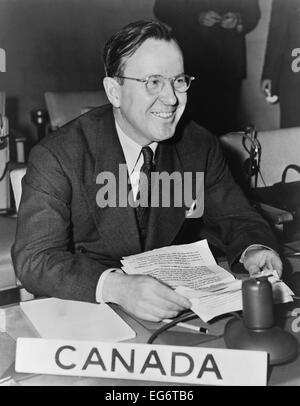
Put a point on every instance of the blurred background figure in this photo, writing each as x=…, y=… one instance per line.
x=212, y=36
x=280, y=76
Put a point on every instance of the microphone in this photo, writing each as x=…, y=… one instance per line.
x=257, y=330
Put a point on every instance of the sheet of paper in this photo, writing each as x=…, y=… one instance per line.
x=210, y=303
x=214, y=304
x=191, y=265
x=67, y=319
x=192, y=270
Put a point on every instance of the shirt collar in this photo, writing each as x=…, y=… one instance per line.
x=131, y=149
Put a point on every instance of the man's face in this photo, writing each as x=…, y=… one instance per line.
x=142, y=116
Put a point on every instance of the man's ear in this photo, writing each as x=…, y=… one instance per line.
x=112, y=89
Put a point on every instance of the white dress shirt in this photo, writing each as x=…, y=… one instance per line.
x=134, y=161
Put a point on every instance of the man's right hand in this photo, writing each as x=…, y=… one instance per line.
x=143, y=296
x=209, y=19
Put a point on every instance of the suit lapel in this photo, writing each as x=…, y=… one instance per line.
x=117, y=226
x=165, y=222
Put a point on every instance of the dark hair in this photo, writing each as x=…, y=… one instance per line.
x=125, y=42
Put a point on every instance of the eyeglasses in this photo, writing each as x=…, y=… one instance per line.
x=155, y=83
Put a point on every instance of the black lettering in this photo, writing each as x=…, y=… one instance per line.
x=57, y=355
x=157, y=363
x=98, y=361
x=173, y=364
x=117, y=355
x=213, y=368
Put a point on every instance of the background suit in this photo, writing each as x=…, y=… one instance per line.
x=65, y=241
x=283, y=37
x=216, y=56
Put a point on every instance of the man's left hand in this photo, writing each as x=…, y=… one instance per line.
x=257, y=260
x=229, y=21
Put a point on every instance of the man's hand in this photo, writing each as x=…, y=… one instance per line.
x=230, y=21
x=209, y=19
x=144, y=296
x=266, y=86
x=259, y=259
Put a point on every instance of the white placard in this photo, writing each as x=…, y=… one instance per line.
x=164, y=363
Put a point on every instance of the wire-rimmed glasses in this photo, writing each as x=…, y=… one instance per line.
x=155, y=83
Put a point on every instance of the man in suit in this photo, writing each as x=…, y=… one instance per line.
x=278, y=76
x=69, y=245
x=212, y=35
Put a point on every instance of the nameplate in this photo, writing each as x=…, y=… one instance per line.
x=163, y=363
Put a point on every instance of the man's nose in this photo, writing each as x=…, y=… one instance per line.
x=168, y=94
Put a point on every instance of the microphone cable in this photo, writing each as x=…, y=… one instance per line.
x=190, y=315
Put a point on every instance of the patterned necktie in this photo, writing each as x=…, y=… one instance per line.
x=144, y=192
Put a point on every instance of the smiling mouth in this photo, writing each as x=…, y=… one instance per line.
x=162, y=114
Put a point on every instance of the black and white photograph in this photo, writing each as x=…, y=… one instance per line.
x=150, y=195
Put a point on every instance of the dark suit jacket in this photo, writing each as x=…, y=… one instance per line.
x=283, y=37
x=210, y=49
x=64, y=241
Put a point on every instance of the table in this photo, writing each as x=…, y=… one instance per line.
x=287, y=374
x=19, y=326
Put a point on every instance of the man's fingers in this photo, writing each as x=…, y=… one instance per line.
x=168, y=294
x=276, y=262
x=154, y=317
x=165, y=304
x=149, y=299
x=277, y=265
x=273, y=262
x=260, y=259
x=209, y=18
x=161, y=313
x=253, y=269
x=266, y=85
x=175, y=299
x=157, y=312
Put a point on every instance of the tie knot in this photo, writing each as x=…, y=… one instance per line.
x=148, y=156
